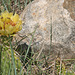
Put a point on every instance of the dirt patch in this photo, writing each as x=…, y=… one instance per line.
x=70, y=6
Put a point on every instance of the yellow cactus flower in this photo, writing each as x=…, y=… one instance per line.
x=9, y=23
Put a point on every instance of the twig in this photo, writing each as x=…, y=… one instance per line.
x=49, y=67
x=54, y=68
x=60, y=67
x=40, y=51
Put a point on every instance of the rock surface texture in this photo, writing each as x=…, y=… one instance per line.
x=54, y=25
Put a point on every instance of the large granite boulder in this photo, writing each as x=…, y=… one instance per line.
x=52, y=26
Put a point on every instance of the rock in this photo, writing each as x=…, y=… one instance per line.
x=54, y=26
